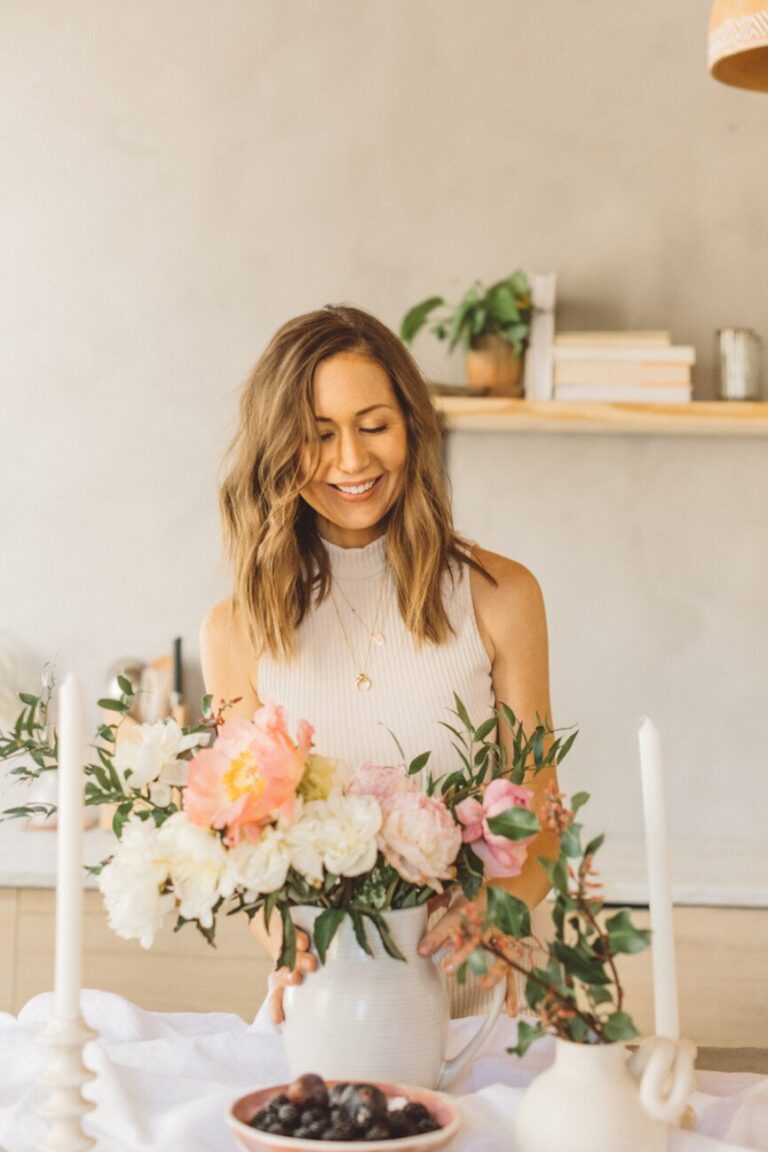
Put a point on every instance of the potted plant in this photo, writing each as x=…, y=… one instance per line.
x=491, y=323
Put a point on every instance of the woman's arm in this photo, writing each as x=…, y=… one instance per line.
x=228, y=662
x=512, y=622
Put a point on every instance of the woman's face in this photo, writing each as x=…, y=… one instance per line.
x=363, y=450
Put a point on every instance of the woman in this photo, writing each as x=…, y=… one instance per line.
x=355, y=604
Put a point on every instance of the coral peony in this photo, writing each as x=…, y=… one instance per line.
x=250, y=775
x=500, y=856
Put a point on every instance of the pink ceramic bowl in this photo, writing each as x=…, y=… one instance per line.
x=440, y=1107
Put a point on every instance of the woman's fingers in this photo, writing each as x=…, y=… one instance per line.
x=282, y=977
x=447, y=929
x=302, y=940
x=511, y=1003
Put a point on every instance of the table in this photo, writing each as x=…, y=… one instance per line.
x=165, y=1081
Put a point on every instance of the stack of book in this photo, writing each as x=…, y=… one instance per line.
x=622, y=368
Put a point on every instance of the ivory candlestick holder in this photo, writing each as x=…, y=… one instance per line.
x=65, y=1106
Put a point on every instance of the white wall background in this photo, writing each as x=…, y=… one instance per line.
x=179, y=177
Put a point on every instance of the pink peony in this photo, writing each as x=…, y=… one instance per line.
x=500, y=856
x=250, y=775
x=382, y=782
x=419, y=838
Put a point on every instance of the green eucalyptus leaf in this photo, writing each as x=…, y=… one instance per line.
x=418, y=763
x=326, y=926
x=113, y=705
x=579, y=799
x=593, y=845
x=287, y=957
x=562, y=752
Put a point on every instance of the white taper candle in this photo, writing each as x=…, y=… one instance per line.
x=659, y=889
x=69, y=863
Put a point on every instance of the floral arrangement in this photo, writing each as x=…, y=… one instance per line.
x=234, y=815
x=577, y=995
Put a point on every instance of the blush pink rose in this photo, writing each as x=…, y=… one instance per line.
x=250, y=775
x=500, y=856
x=420, y=838
x=382, y=782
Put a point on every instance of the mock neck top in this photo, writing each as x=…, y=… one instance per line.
x=412, y=686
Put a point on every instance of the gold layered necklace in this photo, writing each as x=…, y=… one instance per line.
x=363, y=682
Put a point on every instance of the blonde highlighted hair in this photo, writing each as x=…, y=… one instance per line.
x=278, y=558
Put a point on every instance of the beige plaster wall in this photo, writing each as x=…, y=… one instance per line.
x=178, y=177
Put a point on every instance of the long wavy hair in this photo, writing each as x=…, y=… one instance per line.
x=278, y=558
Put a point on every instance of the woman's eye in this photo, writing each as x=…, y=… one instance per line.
x=325, y=436
x=380, y=428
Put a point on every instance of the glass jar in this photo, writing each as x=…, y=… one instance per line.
x=739, y=362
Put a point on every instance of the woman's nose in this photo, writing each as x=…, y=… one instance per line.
x=353, y=454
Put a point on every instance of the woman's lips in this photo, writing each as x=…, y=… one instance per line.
x=356, y=497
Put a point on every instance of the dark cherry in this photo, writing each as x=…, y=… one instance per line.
x=309, y=1091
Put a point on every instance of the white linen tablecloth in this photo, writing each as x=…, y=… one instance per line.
x=165, y=1082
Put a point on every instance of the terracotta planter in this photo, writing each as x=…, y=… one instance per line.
x=491, y=363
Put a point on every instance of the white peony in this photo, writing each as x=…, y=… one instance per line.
x=153, y=758
x=132, y=884
x=338, y=833
x=197, y=865
x=262, y=866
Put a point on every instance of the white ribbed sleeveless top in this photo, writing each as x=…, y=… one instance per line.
x=412, y=687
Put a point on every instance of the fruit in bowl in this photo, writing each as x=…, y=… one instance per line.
x=344, y=1115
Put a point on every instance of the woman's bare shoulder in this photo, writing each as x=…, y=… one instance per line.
x=510, y=603
x=226, y=655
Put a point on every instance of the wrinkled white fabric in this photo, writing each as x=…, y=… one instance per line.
x=165, y=1082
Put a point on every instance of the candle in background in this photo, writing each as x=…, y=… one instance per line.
x=178, y=707
x=69, y=862
x=660, y=895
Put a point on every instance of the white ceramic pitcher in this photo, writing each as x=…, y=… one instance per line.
x=361, y=1017
x=595, y=1098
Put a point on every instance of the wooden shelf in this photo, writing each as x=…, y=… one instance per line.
x=708, y=418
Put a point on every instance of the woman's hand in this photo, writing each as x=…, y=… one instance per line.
x=282, y=977
x=459, y=932
x=272, y=939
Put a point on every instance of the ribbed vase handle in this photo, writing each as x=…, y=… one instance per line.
x=451, y=1067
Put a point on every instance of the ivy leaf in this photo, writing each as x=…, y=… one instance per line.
x=510, y=915
x=587, y=969
x=526, y=1034
x=515, y=823
x=326, y=926
x=620, y=1026
x=600, y=995
x=570, y=841
x=624, y=936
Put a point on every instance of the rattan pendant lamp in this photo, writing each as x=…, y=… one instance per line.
x=738, y=43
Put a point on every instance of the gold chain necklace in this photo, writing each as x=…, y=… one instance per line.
x=376, y=634
x=363, y=682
